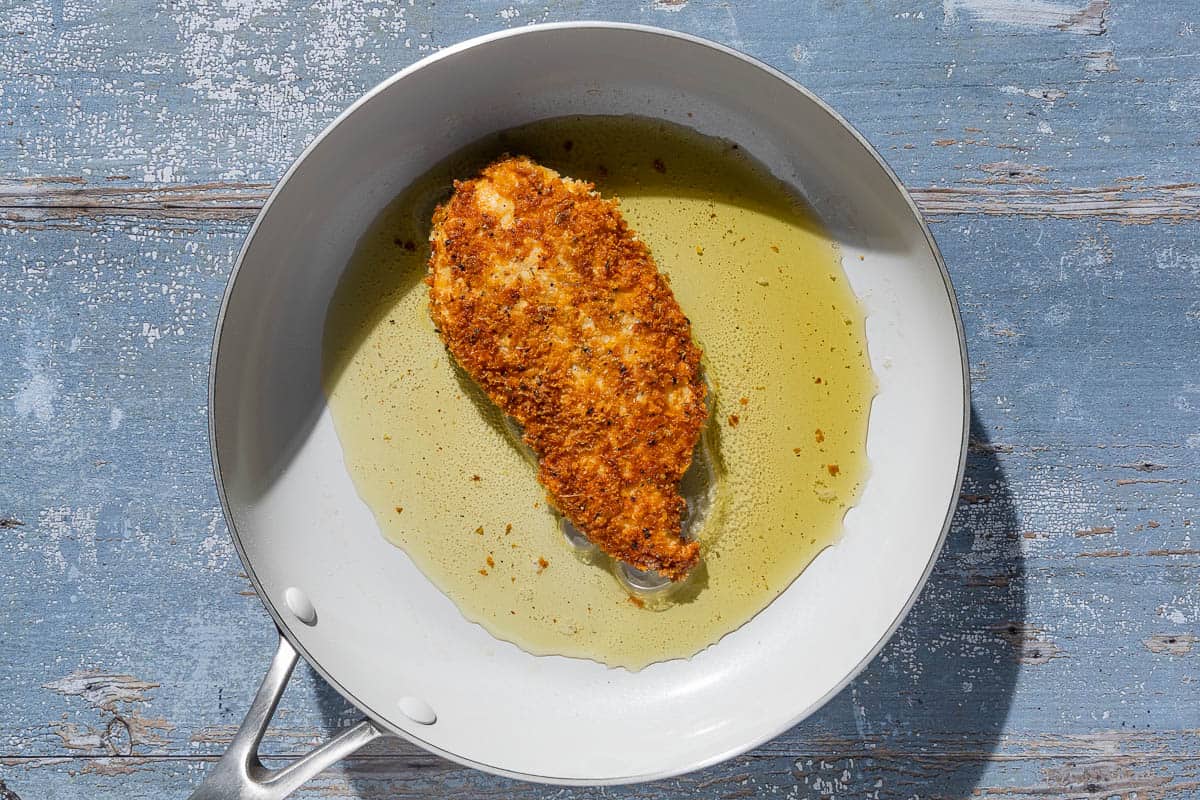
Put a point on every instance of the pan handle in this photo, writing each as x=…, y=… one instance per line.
x=240, y=775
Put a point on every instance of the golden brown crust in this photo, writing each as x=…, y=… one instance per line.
x=547, y=299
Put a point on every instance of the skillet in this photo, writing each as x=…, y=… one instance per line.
x=359, y=611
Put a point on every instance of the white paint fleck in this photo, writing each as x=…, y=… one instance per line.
x=216, y=547
x=150, y=333
x=800, y=54
x=1058, y=314
x=60, y=524
x=102, y=689
x=36, y=397
x=861, y=725
x=115, y=415
x=1088, y=20
x=1100, y=61
x=1043, y=127
x=1171, y=259
x=670, y=6
x=1049, y=95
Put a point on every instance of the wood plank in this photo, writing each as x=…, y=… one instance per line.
x=855, y=771
x=200, y=93
x=65, y=201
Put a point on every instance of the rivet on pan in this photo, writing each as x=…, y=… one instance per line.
x=417, y=710
x=299, y=604
x=574, y=536
x=640, y=581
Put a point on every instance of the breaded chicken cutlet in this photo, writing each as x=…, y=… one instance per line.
x=545, y=296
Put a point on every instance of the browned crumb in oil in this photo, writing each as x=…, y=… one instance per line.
x=743, y=400
x=483, y=572
x=775, y=247
x=542, y=564
x=834, y=469
x=479, y=531
x=491, y=562
x=637, y=601
x=734, y=420
x=659, y=166
x=476, y=478
x=820, y=435
x=508, y=529
x=399, y=509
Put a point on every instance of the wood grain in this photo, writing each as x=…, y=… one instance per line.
x=1054, y=652
x=68, y=199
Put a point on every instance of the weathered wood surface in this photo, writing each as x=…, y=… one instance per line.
x=1056, y=652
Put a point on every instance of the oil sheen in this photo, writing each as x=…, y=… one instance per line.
x=785, y=357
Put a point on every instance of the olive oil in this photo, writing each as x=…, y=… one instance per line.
x=785, y=358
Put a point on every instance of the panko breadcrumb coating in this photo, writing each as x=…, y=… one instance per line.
x=545, y=296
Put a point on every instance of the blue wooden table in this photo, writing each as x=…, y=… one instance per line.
x=1055, y=146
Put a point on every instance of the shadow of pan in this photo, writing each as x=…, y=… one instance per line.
x=926, y=716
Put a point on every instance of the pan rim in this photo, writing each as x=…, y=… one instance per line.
x=868, y=150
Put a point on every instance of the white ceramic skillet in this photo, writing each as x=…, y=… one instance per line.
x=355, y=606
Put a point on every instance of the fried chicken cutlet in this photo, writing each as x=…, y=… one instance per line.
x=547, y=298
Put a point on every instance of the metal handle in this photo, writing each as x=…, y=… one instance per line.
x=240, y=775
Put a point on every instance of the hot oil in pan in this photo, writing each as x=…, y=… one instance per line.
x=785, y=356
